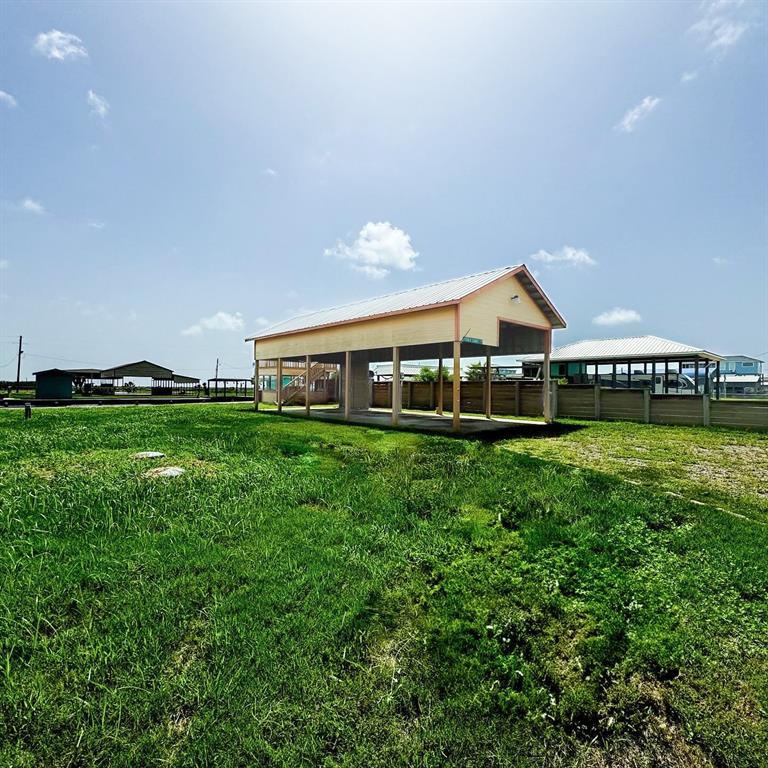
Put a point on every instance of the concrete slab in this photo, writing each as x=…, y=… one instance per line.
x=472, y=427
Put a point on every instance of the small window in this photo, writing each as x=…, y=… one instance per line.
x=748, y=365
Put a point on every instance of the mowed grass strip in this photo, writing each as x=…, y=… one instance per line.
x=313, y=594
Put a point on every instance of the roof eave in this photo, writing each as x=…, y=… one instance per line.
x=351, y=321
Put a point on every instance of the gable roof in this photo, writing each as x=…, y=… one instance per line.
x=53, y=372
x=623, y=349
x=142, y=368
x=412, y=299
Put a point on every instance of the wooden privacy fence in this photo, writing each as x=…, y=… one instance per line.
x=514, y=398
x=582, y=401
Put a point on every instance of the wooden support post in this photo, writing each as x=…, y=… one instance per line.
x=546, y=393
x=397, y=391
x=705, y=410
x=456, y=386
x=279, y=384
x=646, y=405
x=517, y=398
x=440, y=387
x=431, y=395
x=554, y=400
x=717, y=380
x=597, y=402
x=488, y=387
x=306, y=388
x=347, y=384
x=256, y=387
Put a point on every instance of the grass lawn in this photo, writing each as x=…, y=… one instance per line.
x=313, y=594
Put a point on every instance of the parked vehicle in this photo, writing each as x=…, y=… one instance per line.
x=677, y=383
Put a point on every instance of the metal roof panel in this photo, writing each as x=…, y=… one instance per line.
x=445, y=292
x=626, y=348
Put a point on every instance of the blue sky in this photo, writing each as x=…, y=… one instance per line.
x=173, y=177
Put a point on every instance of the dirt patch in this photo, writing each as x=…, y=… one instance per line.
x=43, y=473
x=164, y=472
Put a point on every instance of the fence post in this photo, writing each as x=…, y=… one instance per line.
x=705, y=409
x=597, y=402
x=646, y=405
x=431, y=395
x=554, y=400
x=517, y=398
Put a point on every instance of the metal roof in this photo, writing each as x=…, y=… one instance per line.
x=741, y=378
x=409, y=369
x=53, y=372
x=142, y=368
x=434, y=294
x=630, y=347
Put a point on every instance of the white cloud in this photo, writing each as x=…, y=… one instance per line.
x=4, y=263
x=7, y=99
x=567, y=256
x=262, y=322
x=269, y=172
x=86, y=309
x=378, y=250
x=617, y=316
x=688, y=77
x=59, y=45
x=221, y=321
x=98, y=104
x=633, y=116
x=31, y=206
x=97, y=224
x=723, y=23
x=720, y=261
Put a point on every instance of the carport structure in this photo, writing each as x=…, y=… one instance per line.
x=499, y=312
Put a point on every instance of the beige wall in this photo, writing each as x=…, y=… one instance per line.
x=480, y=312
x=478, y=318
x=361, y=384
x=430, y=325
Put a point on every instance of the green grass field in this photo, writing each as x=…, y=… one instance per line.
x=319, y=595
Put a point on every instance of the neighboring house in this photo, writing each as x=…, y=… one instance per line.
x=293, y=374
x=629, y=363
x=743, y=384
x=741, y=375
x=408, y=371
x=741, y=364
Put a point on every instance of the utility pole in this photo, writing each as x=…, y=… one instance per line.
x=217, y=369
x=18, y=366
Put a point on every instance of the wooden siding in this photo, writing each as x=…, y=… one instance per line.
x=420, y=327
x=620, y=404
x=739, y=413
x=480, y=313
x=576, y=401
x=676, y=409
x=509, y=397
